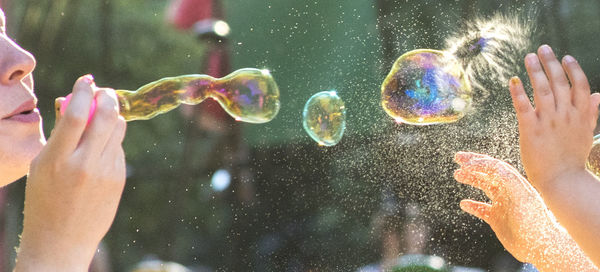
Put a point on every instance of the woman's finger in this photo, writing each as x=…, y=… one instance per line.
x=113, y=146
x=103, y=123
x=68, y=132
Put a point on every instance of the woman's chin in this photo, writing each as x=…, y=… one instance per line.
x=17, y=158
x=11, y=176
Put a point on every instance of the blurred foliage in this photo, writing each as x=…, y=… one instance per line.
x=301, y=207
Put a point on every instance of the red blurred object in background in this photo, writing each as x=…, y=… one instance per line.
x=184, y=13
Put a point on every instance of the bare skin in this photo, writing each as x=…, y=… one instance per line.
x=518, y=215
x=20, y=141
x=75, y=180
x=87, y=166
x=555, y=140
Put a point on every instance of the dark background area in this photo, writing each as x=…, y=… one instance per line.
x=291, y=205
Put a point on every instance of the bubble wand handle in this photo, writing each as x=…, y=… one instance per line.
x=248, y=95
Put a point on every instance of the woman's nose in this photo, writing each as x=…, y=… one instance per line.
x=15, y=62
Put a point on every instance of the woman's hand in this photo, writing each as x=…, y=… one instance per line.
x=74, y=185
x=518, y=215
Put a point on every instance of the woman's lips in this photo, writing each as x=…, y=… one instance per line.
x=32, y=116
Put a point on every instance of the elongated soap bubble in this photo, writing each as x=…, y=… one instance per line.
x=324, y=118
x=426, y=87
x=248, y=95
x=593, y=162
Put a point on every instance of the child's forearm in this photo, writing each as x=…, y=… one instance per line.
x=48, y=261
x=571, y=198
x=563, y=254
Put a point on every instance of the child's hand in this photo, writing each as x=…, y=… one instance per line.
x=556, y=136
x=518, y=215
x=75, y=184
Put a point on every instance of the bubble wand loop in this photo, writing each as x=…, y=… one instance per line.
x=248, y=95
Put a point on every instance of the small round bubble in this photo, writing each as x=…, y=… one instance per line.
x=593, y=162
x=426, y=87
x=324, y=118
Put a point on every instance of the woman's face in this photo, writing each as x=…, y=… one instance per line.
x=21, y=136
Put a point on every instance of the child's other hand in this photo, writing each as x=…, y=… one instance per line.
x=75, y=184
x=555, y=136
x=518, y=215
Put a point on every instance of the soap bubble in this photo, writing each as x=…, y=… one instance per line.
x=593, y=162
x=426, y=87
x=248, y=95
x=324, y=118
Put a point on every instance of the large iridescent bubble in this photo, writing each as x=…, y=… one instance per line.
x=324, y=118
x=593, y=162
x=249, y=95
x=426, y=87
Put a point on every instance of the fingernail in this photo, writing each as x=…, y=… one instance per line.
x=89, y=79
x=568, y=59
x=514, y=81
x=545, y=49
x=57, y=108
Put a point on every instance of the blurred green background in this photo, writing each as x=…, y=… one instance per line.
x=291, y=205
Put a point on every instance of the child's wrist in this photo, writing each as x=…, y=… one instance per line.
x=28, y=261
x=562, y=254
x=38, y=255
x=552, y=184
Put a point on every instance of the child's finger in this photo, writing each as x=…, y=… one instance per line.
x=486, y=165
x=463, y=157
x=520, y=100
x=486, y=183
x=68, y=132
x=595, y=103
x=501, y=170
x=579, y=81
x=556, y=74
x=542, y=94
x=478, y=209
